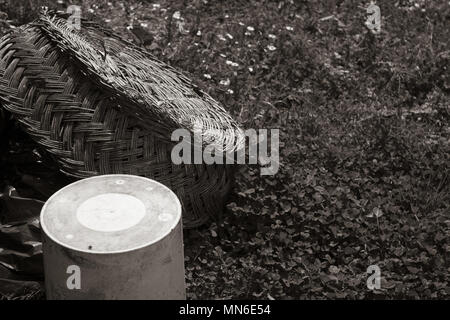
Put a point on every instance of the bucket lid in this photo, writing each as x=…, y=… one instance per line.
x=110, y=214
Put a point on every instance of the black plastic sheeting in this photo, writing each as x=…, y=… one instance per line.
x=28, y=177
x=21, y=269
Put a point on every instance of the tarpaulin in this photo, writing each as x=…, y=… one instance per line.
x=27, y=180
x=21, y=268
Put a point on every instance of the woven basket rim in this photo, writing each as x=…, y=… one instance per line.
x=158, y=92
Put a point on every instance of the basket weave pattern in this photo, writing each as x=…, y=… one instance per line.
x=89, y=130
x=152, y=90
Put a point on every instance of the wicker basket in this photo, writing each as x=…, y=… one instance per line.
x=101, y=105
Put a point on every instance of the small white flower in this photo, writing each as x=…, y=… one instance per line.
x=199, y=33
x=231, y=63
x=289, y=28
x=241, y=24
x=207, y=76
x=272, y=36
x=247, y=33
x=229, y=36
x=271, y=48
x=229, y=91
x=227, y=16
x=250, y=69
x=156, y=5
x=225, y=82
x=221, y=37
x=90, y=10
x=107, y=20
x=223, y=55
x=250, y=28
x=144, y=25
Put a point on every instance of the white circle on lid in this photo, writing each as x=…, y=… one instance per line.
x=111, y=212
x=165, y=217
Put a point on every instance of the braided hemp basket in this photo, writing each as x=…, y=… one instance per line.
x=101, y=105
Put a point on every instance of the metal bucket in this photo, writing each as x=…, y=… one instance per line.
x=113, y=237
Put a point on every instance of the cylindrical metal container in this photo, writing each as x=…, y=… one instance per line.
x=113, y=237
